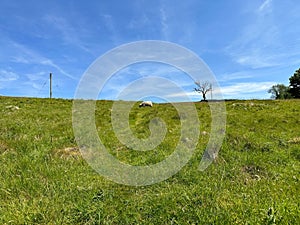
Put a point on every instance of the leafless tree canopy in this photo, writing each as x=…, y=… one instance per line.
x=203, y=88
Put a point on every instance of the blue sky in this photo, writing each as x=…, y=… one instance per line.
x=248, y=45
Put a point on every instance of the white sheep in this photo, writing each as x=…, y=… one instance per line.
x=146, y=103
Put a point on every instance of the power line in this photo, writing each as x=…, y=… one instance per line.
x=40, y=90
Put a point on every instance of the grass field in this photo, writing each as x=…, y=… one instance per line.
x=254, y=180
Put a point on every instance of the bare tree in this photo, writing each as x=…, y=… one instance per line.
x=203, y=88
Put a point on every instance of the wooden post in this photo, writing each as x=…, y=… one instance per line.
x=50, y=85
x=211, y=94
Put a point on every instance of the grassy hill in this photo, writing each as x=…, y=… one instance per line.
x=254, y=180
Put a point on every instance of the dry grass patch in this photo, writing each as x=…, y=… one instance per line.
x=295, y=140
x=68, y=153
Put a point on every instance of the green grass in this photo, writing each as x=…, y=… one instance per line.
x=254, y=180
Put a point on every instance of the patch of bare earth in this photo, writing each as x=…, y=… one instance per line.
x=253, y=173
x=3, y=147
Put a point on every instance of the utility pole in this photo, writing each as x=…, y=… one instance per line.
x=50, y=85
x=211, y=94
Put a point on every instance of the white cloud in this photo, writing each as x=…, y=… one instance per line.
x=28, y=56
x=257, y=47
x=269, y=38
x=150, y=86
x=265, y=6
x=8, y=76
x=37, y=76
x=49, y=62
x=164, y=25
x=257, y=59
x=259, y=43
x=139, y=22
x=68, y=32
x=186, y=93
x=123, y=79
x=242, y=90
x=235, y=76
x=235, y=91
x=109, y=23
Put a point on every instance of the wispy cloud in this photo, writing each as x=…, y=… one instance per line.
x=36, y=76
x=139, y=22
x=145, y=70
x=233, y=91
x=164, y=25
x=265, y=6
x=157, y=87
x=6, y=75
x=246, y=89
x=177, y=27
x=28, y=56
x=235, y=76
x=111, y=27
x=49, y=62
x=69, y=33
x=268, y=40
x=258, y=44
